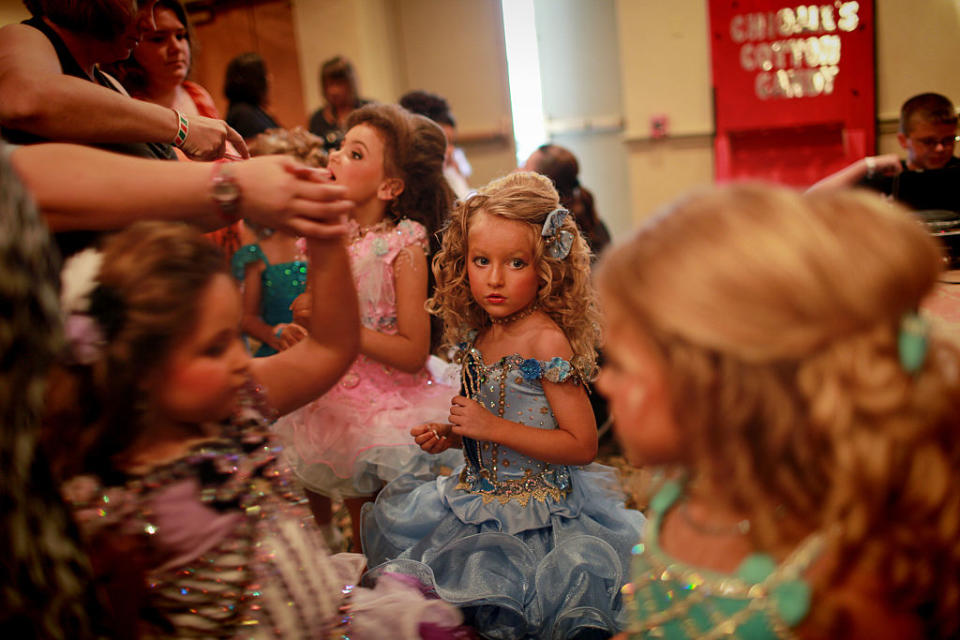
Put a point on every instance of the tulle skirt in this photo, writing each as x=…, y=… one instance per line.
x=350, y=441
x=550, y=569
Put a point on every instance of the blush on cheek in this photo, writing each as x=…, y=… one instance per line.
x=197, y=394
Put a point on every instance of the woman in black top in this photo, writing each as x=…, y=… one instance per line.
x=246, y=88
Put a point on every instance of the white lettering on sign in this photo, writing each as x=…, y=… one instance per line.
x=795, y=50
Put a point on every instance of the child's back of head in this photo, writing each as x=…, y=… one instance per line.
x=803, y=385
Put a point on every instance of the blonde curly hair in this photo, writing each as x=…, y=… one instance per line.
x=778, y=318
x=565, y=291
x=296, y=142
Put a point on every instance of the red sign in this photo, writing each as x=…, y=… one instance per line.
x=793, y=75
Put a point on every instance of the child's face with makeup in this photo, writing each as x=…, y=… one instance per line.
x=633, y=380
x=500, y=264
x=205, y=371
x=358, y=163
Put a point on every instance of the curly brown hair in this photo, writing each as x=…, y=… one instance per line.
x=414, y=149
x=157, y=272
x=778, y=318
x=565, y=291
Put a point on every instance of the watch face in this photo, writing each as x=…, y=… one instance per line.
x=225, y=190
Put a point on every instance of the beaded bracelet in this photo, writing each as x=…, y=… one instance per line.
x=183, y=127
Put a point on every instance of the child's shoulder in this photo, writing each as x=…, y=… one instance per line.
x=388, y=241
x=546, y=340
x=248, y=254
x=411, y=232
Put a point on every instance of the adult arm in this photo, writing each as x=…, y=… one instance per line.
x=887, y=165
x=406, y=350
x=308, y=369
x=80, y=188
x=40, y=99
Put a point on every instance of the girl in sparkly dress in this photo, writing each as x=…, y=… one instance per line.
x=273, y=269
x=769, y=347
x=193, y=527
x=348, y=442
x=528, y=537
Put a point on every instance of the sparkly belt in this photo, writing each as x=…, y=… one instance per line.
x=552, y=482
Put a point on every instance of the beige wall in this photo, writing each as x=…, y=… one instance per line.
x=665, y=61
x=455, y=48
x=12, y=11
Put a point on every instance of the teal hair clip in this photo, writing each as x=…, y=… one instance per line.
x=912, y=341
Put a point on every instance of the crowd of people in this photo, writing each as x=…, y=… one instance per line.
x=183, y=405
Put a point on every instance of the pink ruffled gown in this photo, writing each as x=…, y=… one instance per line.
x=356, y=437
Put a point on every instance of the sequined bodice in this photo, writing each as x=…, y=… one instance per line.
x=512, y=389
x=282, y=283
x=205, y=567
x=372, y=255
x=669, y=599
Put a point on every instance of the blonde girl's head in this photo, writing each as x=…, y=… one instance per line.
x=296, y=142
x=565, y=291
x=150, y=283
x=777, y=317
x=413, y=151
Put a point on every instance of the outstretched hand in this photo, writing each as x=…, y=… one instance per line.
x=281, y=193
x=207, y=139
x=433, y=437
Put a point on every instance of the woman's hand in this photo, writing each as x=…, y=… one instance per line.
x=207, y=139
x=469, y=418
x=281, y=193
x=433, y=437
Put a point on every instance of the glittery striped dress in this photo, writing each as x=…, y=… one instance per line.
x=230, y=551
x=525, y=548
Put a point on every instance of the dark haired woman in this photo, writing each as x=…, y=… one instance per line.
x=338, y=83
x=246, y=88
x=157, y=72
x=53, y=89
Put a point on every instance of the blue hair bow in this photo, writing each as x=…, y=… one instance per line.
x=558, y=241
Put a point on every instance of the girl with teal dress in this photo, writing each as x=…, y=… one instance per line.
x=273, y=269
x=269, y=288
x=766, y=348
x=527, y=537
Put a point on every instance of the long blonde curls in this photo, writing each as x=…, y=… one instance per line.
x=778, y=318
x=565, y=292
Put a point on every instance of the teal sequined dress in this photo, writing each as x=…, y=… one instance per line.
x=761, y=600
x=280, y=284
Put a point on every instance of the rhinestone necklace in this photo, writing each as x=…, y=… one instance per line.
x=519, y=315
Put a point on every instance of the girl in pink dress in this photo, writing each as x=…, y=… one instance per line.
x=346, y=444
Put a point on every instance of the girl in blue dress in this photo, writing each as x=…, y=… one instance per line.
x=528, y=537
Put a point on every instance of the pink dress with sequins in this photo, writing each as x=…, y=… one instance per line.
x=357, y=436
